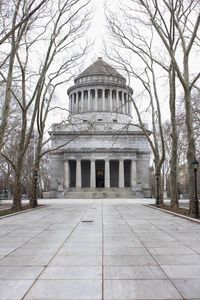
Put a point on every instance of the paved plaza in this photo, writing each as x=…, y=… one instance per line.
x=99, y=249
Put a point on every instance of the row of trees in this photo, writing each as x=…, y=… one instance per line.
x=41, y=45
x=163, y=38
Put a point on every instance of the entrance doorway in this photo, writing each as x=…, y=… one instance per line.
x=100, y=165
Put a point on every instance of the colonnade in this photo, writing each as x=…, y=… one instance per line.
x=121, y=175
x=110, y=100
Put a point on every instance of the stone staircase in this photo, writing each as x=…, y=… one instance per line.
x=99, y=193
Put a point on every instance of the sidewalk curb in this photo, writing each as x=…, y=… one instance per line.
x=20, y=212
x=173, y=213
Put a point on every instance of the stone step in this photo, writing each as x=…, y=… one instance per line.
x=99, y=193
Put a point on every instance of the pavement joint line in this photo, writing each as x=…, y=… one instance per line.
x=10, y=253
x=174, y=213
x=79, y=221
x=167, y=278
x=161, y=229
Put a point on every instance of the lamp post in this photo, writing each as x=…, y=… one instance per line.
x=195, y=165
x=157, y=189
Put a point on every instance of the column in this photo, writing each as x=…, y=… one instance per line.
x=103, y=100
x=89, y=107
x=111, y=100
x=123, y=103
x=129, y=105
x=82, y=100
x=117, y=100
x=126, y=102
x=95, y=100
x=121, y=173
x=66, y=175
x=76, y=108
x=92, y=174
x=133, y=175
x=107, y=173
x=72, y=103
x=78, y=173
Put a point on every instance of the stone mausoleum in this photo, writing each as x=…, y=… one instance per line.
x=102, y=152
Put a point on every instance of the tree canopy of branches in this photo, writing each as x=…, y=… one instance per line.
x=57, y=29
x=170, y=30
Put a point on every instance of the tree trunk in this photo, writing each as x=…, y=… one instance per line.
x=191, y=151
x=34, y=188
x=17, y=197
x=158, y=185
x=174, y=156
x=34, y=183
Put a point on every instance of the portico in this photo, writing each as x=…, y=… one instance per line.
x=99, y=173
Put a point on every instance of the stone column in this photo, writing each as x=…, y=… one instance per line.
x=103, y=100
x=72, y=104
x=111, y=100
x=89, y=107
x=66, y=175
x=78, y=173
x=95, y=100
x=92, y=174
x=133, y=175
x=126, y=103
x=121, y=173
x=117, y=100
x=107, y=173
x=123, y=103
x=76, y=107
x=129, y=105
x=82, y=100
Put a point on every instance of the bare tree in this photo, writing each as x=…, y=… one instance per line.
x=186, y=18
x=63, y=27
x=14, y=22
x=141, y=50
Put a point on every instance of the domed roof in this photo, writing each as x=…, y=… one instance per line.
x=100, y=67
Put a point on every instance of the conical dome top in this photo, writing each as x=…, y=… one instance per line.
x=100, y=67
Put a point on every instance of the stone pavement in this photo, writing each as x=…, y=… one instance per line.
x=99, y=249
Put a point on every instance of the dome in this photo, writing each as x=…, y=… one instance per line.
x=100, y=67
x=100, y=89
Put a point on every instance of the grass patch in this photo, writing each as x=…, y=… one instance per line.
x=9, y=211
x=179, y=210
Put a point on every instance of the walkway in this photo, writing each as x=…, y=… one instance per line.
x=94, y=250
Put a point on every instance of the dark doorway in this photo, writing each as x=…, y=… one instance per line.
x=114, y=173
x=127, y=173
x=85, y=173
x=100, y=173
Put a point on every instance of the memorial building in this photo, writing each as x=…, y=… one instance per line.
x=102, y=153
